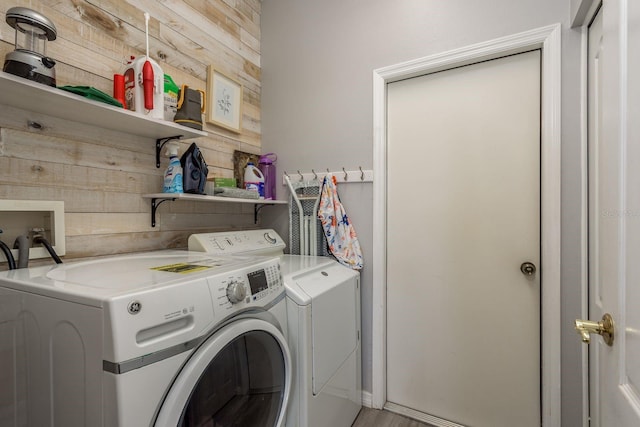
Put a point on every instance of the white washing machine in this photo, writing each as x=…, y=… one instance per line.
x=323, y=311
x=160, y=339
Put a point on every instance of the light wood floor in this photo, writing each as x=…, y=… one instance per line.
x=376, y=418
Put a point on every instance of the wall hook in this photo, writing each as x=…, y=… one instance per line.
x=286, y=174
x=315, y=175
x=361, y=173
x=301, y=176
x=346, y=176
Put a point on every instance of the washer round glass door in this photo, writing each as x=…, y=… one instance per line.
x=239, y=377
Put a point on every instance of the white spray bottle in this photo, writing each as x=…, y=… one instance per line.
x=173, y=174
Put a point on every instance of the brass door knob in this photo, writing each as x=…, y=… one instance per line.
x=604, y=328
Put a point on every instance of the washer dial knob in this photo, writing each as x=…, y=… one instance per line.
x=236, y=292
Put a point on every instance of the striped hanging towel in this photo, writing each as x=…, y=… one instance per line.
x=341, y=236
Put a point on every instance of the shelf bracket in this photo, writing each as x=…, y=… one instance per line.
x=160, y=143
x=256, y=208
x=154, y=207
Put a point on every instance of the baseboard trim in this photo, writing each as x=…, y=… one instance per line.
x=367, y=399
x=420, y=416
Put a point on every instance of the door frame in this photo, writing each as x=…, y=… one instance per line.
x=585, y=13
x=547, y=39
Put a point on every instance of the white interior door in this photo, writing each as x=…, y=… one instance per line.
x=614, y=211
x=463, y=206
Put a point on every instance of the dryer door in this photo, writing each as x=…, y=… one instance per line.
x=240, y=376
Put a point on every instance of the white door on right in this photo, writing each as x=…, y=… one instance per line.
x=614, y=211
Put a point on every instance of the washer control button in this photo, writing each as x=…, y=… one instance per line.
x=236, y=292
x=270, y=238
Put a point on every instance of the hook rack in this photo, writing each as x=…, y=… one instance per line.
x=345, y=176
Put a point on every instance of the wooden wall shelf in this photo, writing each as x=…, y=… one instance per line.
x=158, y=198
x=36, y=97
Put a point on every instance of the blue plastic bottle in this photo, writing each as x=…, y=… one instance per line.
x=173, y=174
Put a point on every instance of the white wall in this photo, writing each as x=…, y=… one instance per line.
x=317, y=63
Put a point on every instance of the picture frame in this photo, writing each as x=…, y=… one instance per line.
x=224, y=108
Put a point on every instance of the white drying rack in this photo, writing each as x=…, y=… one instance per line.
x=304, y=238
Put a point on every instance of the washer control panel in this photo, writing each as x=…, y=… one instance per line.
x=251, y=286
x=248, y=242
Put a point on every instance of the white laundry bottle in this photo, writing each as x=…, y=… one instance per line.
x=253, y=179
x=173, y=174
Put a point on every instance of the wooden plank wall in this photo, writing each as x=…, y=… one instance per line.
x=101, y=174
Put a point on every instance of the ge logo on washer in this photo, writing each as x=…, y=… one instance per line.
x=134, y=307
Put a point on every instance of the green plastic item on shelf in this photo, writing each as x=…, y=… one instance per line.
x=92, y=93
x=171, y=91
x=225, y=182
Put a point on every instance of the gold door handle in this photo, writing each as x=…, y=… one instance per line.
x=604, y=328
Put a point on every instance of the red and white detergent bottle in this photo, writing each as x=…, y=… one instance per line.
x=144, y=83
x=144, y=87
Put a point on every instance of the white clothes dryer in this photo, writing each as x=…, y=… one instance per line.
x=323, y=312
x=161, y=339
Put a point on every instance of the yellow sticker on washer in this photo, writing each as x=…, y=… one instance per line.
x=182, y=268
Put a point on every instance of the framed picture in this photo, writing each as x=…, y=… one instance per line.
x=225, y=101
